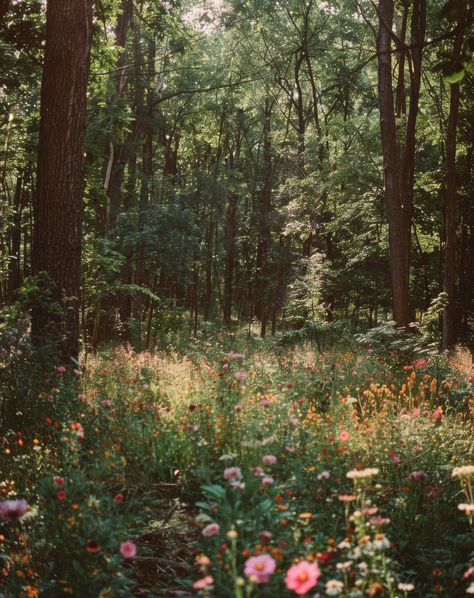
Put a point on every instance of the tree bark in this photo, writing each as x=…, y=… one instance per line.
x=450, y=208
x=58, y=203
x=399, y=213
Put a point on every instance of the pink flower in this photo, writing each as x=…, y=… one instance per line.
x=265, y=403
x=211, y=530
x=294, y=421
x=58, y=481
x=416, y=412
x=232, y=473
x=77, y=373
x=60, y=369
x=269, y=459
x=79, y=429
x=13, y=509
x=437, y=413
x=128, y=549
x=200, y=584
x=302, y=577
x=418, y=476
x=344, y=436
x=106, y=403
x=240, y=376
x=324, y=475
x=237, y=484
x=419, y=363
x=258, y=472
x=260, y=567
x=268, y=480
x=238, y=356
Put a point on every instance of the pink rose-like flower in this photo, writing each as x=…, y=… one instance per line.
x=258, y=472
x=269, y=459
x=232, y=473
x=344, y=436
x=211, y=530
x=106, y=403
x=13, y=509
x=268, y=480
x=58, y=481
x=200, y=584
x=237, y=484
x=128, y=549
x=260, y=567
x=294, y=421
x=238, y=356
x=240, y=376
x=302, y=577
x=60, y=369
x=418, y=476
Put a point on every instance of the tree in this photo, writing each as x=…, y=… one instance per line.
x=58, y=205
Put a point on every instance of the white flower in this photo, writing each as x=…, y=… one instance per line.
x=351, y=401
x=468, y=509
x=334, y=587
x=406, y=587
x=344, y=566
x=470, y=589
x=381, y=542
x=363, y=473
x=463, y=471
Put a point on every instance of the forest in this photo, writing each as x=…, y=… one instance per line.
x=236, y=298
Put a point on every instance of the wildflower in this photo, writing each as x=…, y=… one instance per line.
x=324, y=475
x=106, y=404
x=344, y=436
x=240, y=376
x=128, y=549
x=381, y=542
x=232, y=534
x=60, y=369
x=467, y=509
x=200, y=584
x=118, y=498
x=351, y=400
x=406, y=587
x=58, y=481
x=362, y=473
x=237, y=484
x=61, y=495
x=346, y=497
x=302, y=577
x=12, y=510
x=469, y=572
x=378, y=520
x=77, y=372
x=232, y=473
x=211, y=530
x=92, y=547
x=470, y=589
x=269, y=459
x=294, y=421
x=265, y=403
x=418, y=476
x=463, y=471
x=237, y=356
x=260, y=568
x=334, y=587
x=79, y=429
x=258, y=472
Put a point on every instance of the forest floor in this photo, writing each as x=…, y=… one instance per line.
x=244, y=471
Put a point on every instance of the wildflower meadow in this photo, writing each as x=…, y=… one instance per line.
x=255, y=471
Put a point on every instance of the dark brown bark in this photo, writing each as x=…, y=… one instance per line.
x=450, y=206
x=399, y=212
x=58, y=205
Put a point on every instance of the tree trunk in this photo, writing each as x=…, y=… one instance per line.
x=58, y=204
x=450, y=208
x=398, y=212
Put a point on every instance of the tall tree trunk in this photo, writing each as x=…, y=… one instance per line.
x=399, y=217
x=58, y=204
x=450, y=207
x=14, y=263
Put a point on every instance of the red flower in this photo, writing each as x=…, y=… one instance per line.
x=61, y=495
x=92, y=547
